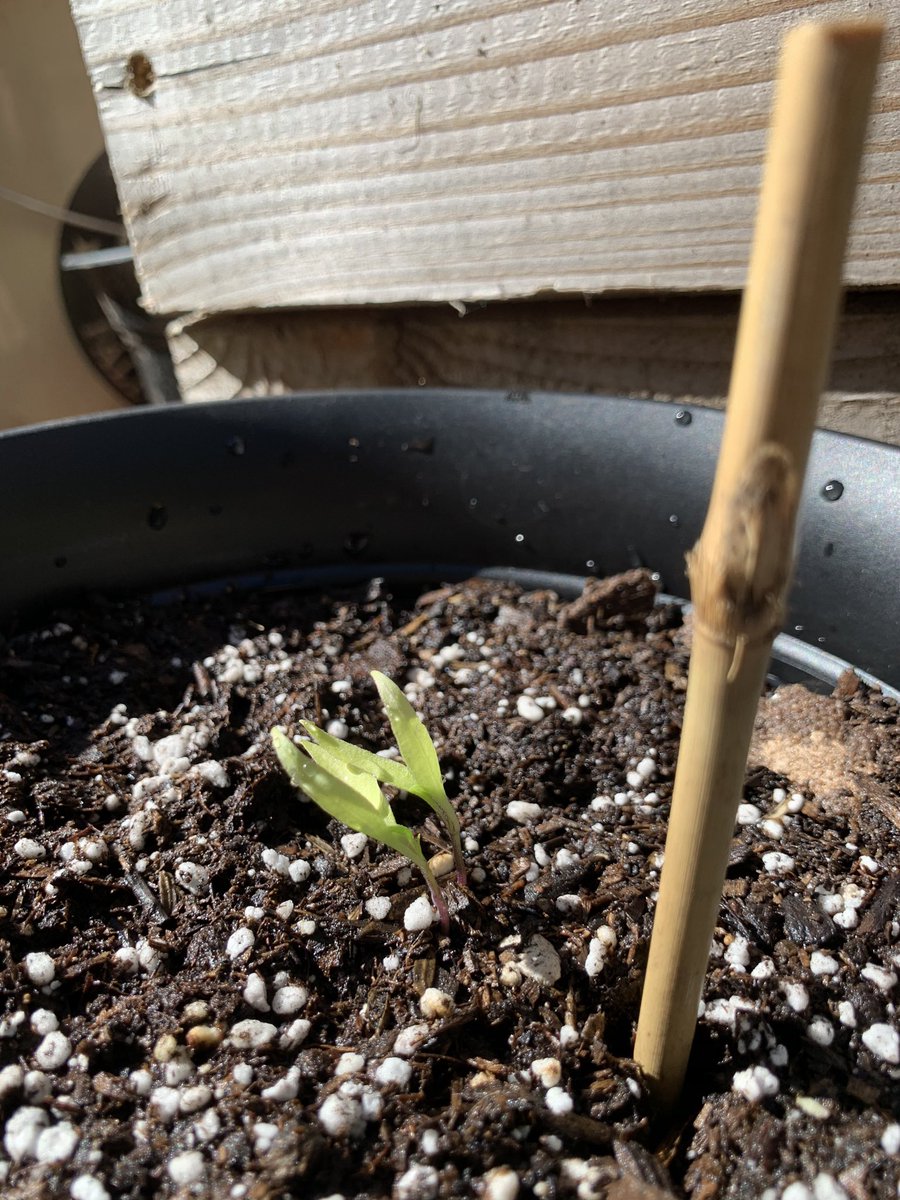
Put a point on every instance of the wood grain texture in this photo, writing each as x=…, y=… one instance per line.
x=45, y=103
x=676, y=348
x=323, y=152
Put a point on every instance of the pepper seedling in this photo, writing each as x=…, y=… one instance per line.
x=418, y=773
x=344, y=781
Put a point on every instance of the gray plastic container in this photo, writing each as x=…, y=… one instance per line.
x=310, y=488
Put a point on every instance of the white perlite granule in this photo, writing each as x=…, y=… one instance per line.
x=295, y=1033
x=126, y=960
x=192, y=877
x=539, y=960
x=240, y=942
x=435, y=1004
x=378, y=907
x=408, y=1040
x=796, y=995
x=820, y=1031
x=353, y=844
x=87, y=1187
x=340, y=1115
x=28, y=848
x=285, y=1088
x=53, y=1051
x=559, y=1101
x=393, y=1072
x=430, y=1142
x=529, y=709
x=418, y=1182
x=289, y=999
x=826, y=1187
x=37, y=1086
x=192, y=1099
x=350, y=1063
x=56, y=1144
x=822, y=964
x=890, y=1138
x=737, y=954
x=22, y=1131
x=165, y=1102
x=255, y=992
x=882, y=978
x=547, y=1071
x=778, y=1055
x=755, y=1083
x=884, y=1042
x=725, y=1012
x=207, y=1126
x=419, y=915
x=523, y=812
x=501, y=1183
x=11, y=1079
x=44, y=1021
x=251, y=1035
x=794, y=1191
x=264, y=1134
x=40, y=968
x=847, y=1014
x=186, y=1168
x=777, y=862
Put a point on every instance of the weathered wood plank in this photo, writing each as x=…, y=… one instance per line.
x=317, y=152
x=676, y=348
x=49, y=137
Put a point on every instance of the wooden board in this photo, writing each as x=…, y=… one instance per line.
x=325, y=152
x=676, y=348
x=49, y=136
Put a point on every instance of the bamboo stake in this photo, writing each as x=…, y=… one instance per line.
x=740, y=568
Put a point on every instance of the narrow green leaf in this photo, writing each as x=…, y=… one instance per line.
x=355, y=799
x=288, y=755
x=338, y=799
x=386, y=770
x=413, y=741
x=358, y=780
x=421, y=758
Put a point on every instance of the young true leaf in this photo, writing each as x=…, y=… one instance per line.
x=385, y=770
x=420, y=757
x=354, y=798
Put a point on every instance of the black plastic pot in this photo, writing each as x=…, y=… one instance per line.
x=434, y=484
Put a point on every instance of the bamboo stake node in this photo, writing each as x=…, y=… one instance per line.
x=740, y=568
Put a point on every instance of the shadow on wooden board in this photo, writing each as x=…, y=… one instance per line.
x=675, y=347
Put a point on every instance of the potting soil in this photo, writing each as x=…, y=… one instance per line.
x=211, y=989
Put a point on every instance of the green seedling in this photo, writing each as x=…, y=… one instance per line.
x=355, y=799
x=419, y=773
x=344, y=781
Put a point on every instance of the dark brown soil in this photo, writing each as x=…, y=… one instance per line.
x=173, y=891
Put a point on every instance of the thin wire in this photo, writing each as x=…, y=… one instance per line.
x=90, y=260
x=78, y=220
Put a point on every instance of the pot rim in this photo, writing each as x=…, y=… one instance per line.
x=558, y=482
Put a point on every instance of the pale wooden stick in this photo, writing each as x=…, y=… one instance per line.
x=740, y=568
